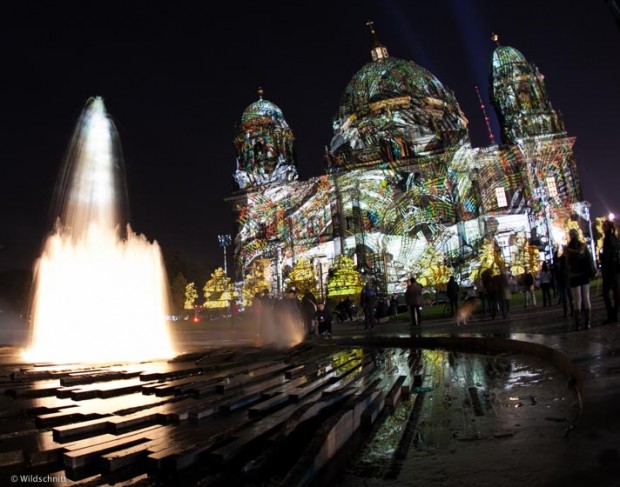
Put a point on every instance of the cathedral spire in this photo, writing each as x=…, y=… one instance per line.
x=379, y=51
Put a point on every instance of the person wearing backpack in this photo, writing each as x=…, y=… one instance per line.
x=610, y=270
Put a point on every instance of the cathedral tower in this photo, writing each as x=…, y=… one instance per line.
x=520, y=98
x=264, y=146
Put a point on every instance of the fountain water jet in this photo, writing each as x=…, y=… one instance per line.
x=98, y=296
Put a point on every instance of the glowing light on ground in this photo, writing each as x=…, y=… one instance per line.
x=98, y=297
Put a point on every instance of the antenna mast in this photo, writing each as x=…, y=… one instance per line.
x=486, y=117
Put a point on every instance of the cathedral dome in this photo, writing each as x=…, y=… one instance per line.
x=264, y=145
x=264, y=112
x=392, y=78
x=506, y=60
x=395, y=109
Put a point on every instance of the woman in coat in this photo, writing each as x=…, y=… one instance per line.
x=580, y=271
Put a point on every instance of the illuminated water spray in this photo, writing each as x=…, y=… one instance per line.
x=98, y=296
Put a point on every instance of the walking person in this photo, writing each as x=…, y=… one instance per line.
x=234, y=312
x=452, y=291
x=498, y=284
x=393, y=307
x=257, y=313
x=324, y=320
x=545, y=284
x=481, y=292
x=348, y=307
x=368, y=301
x=267, y=325
x=413, y=298
x=489, y=292
x=308, y=311
x=580, y=271
x=554, y=286
x=610, y=270
x=528, y=288
x=561, y=279
x=508, y=283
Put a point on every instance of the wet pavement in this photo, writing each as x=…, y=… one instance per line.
x=590, y=440
x=516, y=401
x=484, y=421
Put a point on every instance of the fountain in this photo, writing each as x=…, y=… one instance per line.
x=99, y=295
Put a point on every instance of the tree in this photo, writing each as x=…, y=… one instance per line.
x=191, y=295
x=177, y=293
x=302, y=278
x=255, y=282
x=431, y=270
x=344, y=279
x=491, y=257
x=218, y=291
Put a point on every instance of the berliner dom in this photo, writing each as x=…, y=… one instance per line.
x=403, y=190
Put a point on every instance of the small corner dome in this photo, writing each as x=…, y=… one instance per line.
x=264, y=112
x=506, y=58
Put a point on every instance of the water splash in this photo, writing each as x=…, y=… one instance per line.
x=99, y=296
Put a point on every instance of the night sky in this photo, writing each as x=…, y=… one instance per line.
x=176, y=77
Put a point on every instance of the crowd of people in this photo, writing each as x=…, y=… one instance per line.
x=566, y=278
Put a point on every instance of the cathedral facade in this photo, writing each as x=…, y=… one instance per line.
x=404, y=191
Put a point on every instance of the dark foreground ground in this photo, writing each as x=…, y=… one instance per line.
x=517, y=401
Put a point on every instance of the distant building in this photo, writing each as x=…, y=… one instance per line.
x=403, y=185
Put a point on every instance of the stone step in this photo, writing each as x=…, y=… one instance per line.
x=255, y=375
x=92, y=427
x=395, y=393
x=254, y=433
x=280, y=396
x=90, y=378
x=87, y=452
x=253, y=394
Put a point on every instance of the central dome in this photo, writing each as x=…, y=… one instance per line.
x=394, y=109
x=391, y=78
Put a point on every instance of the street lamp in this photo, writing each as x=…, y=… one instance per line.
x=225, y=240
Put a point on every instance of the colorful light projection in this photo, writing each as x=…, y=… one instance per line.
x=344, y=280
x=264, y=146
x=520, y=97
x=256, y=281
x=302, y=278
x=406, y=193
x=393, y=110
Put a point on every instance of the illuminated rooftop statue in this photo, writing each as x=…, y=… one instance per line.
x=379, y=51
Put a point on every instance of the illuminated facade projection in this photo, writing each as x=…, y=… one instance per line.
x=404, y=191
